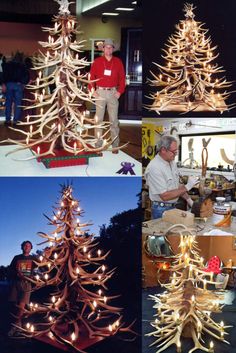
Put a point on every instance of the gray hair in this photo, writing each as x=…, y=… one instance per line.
x=165, y=142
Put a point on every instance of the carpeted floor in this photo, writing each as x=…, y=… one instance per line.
x=228, y=316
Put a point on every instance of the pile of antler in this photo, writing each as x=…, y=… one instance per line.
x=188, y=81
x=184, y=311
x=71, y=265
x=59, y=119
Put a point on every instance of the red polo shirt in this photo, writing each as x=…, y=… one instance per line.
x=116, y=78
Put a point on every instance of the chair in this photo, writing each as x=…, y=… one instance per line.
x=214, y=265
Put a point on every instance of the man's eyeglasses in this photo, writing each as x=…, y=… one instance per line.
x=172, y=151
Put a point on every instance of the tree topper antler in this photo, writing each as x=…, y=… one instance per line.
x=64, y=6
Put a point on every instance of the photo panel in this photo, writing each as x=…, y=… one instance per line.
x=83, y=281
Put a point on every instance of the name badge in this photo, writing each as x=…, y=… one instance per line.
x=107, y=72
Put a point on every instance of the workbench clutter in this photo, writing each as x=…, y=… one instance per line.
x=192, y=169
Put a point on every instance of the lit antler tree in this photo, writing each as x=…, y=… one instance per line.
x=60, y=121
x=184, y=311
x=74, y=267
x=189, y=80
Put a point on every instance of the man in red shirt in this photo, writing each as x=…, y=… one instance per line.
x=110, y=75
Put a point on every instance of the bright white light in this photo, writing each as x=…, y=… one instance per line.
x=139, y=69
x=125, y=8
x=110, y=14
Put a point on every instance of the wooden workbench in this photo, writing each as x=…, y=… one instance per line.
x=158, y=226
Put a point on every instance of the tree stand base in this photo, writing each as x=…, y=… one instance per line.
x=62, y=158
x=82, y=343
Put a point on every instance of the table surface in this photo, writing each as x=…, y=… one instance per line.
x=159, y=227
x=107, y=165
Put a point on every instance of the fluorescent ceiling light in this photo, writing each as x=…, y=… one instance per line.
x=125, y=8
x=134, y=2
x=110, y=13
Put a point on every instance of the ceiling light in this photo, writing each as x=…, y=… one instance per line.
x=134, y=2
x=125, y=8
x=110, y=14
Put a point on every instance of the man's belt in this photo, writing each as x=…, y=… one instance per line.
x=107, y=88
x=164, y=204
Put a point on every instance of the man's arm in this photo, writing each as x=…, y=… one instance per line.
x=173, y=194
x=188, y=199
x=121, y=83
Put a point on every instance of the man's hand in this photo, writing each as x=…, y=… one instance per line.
x=191, y=182
x=95, y=94
x=190, y=202
x=20, y=275
x=117, y=95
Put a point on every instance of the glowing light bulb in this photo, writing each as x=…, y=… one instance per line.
x=103, y=268
x=110, y=328
x=41, y=258
x=94, y=303
x=55, y=256
x=46, y=276
x=178, y=346
x=211, y=346
x=105, y=299
x=32, y=328
x=37, y=277
x=77, y=270
x=84, y=249
x=100, y=292
x=28, y=325
x=73, y=337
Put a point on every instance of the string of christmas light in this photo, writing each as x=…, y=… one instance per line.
x=189, y=79
x=73, y=265
x=185, y=308
x=59, y=119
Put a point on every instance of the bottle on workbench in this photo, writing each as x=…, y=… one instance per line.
x=221, y=213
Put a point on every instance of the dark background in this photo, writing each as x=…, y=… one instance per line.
x=159, y=20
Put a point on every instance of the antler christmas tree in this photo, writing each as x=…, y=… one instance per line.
x=184, y=311
x=74, y=266
x=189, y=81
x=59, y=119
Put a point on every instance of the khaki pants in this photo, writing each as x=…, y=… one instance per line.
x=112, y=103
